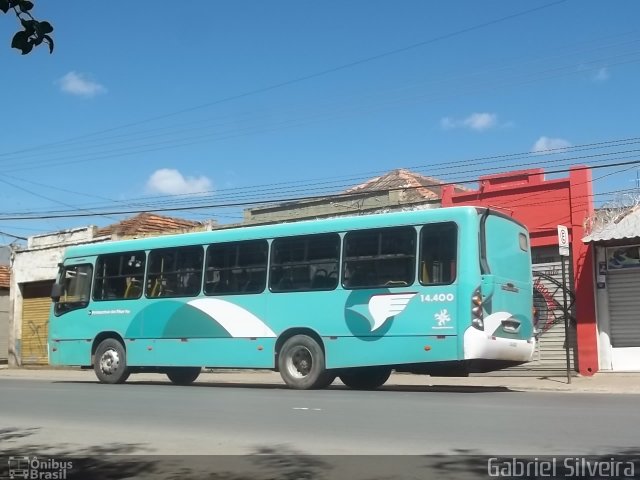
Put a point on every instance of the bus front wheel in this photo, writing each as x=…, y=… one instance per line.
x=301, y=364
x=183, y=375
x=365, y=378
x=110, y=362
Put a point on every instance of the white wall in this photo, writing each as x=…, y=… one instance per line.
x=4, y=255
x=64, y=237
x=602, y=317
x=28, y=266
x=39, y=262
x=4, y=324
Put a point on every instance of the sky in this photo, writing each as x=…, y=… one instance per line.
x=222, y=104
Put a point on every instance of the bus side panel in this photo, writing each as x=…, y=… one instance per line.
x=202, y=352
x=369, y=313
x=70, y=352
x=364, y=351
x=73, y=332
x=198, y=331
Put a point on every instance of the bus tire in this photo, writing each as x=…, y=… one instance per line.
x=183, y=375
x=327, y=380
x=301, y=364
x=110, y=362
x=365, y=378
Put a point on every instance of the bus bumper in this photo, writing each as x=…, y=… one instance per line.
x=480, y=345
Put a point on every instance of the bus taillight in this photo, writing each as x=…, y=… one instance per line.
x=476, y=310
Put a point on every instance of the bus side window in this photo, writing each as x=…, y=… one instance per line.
x=175, y=272
x=305, y=263
x=438, y=253
x=424, y=272
x=236, y=267
x=134, y=288
x=384, y=257
x=119, y=276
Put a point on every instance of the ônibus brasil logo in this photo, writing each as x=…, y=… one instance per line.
x=38, y=468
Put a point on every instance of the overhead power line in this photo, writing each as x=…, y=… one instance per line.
x=174, y=133
x=172, y=137
x=35, y=194
x=303, y=78
x=12, y=236
x=286, y=199
x=180, y=139
x=462, y=169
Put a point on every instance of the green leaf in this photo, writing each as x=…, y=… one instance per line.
x=22, y=43
x=4, y=6
x=20, y=40
x=45, y=27
x=26, y=5
x=50, y=42
x=27, y=48
x=29, y=26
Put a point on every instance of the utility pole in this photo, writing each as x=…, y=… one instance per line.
x=563, y=246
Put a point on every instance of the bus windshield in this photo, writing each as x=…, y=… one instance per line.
x=75, y=281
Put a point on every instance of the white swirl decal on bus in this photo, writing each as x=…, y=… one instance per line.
x=233, y=318
x=383, y=307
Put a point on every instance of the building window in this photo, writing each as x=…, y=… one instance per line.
x=175, y=272
x=305, y=263
x=379, y=258
x=236, y=267
x=119, y=276
x=438, y=253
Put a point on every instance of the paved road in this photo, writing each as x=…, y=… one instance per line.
x=159, y=418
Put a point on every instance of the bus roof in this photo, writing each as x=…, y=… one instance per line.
x=303, y=227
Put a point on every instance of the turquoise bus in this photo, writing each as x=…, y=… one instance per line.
x=440, y=292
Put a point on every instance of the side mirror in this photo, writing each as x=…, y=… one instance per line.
x=56, y=292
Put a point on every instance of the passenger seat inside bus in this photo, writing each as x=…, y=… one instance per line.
x=134, y=288
x=361, y=277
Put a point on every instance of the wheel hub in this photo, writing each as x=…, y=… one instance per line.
x=110, y=361
x=300, y=362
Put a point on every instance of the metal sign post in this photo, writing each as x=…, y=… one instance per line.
x=563, y=244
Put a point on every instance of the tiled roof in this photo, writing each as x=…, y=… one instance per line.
x=148, y=224
x=4, y=276
x=626, y=225
x=416, y=187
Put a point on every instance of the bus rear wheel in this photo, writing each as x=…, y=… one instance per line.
x=110, y=362
x=301, y=363
x=183, y=375
x=365, y=378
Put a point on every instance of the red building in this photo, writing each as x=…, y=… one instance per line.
x=542, y=205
